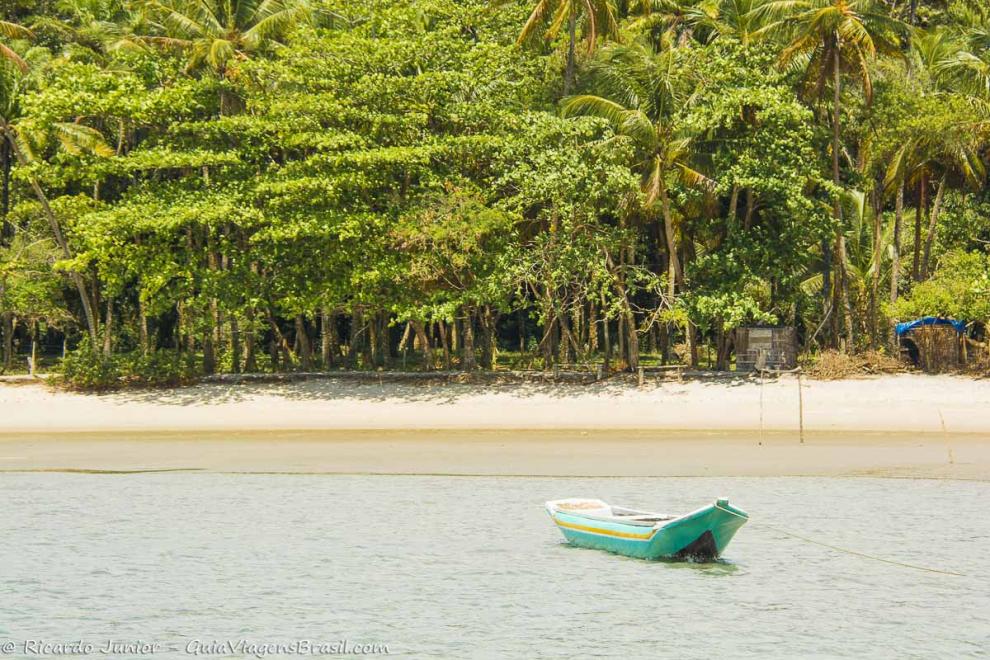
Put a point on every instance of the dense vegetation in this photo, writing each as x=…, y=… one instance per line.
x=193, y=186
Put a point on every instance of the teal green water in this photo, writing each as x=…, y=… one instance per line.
x=465, y=567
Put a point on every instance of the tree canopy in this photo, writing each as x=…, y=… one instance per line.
x=300, y=184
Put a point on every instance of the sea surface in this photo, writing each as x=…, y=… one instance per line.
x=471, y=567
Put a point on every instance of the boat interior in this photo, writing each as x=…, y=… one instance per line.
x=600, y=510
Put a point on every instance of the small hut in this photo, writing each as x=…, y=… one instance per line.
x=759, y=348
x=931, y=343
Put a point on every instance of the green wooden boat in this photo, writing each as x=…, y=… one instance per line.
x=699, y=535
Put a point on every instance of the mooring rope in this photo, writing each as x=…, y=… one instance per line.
x=863, y=555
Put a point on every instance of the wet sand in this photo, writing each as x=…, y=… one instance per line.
x=509, y=453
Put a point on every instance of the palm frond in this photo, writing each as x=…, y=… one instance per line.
x=78, y=138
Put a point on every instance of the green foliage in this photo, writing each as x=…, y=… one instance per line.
x=959, y=289
x=288, y=183
x=87, y=368
x=158, y=368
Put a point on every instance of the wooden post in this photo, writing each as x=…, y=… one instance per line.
x=761, y=407
x=800, y=408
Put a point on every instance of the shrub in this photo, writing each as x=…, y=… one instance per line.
x=158, y=368
x=86, y=368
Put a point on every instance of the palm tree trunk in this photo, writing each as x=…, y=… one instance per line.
x=77, y=280
x=895, y=266
x=895, y=260
x=571, y=47
x=6, y=229
x=932, y=227
x=876, y=201
x=918, y=214
x=673, y=263
x=837, y=205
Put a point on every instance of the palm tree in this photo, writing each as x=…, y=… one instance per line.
x=598, y=18
x=98, y=25
x=215, y=34
x=10, y=30
x=829, y=38
x=669, y=23
x=741, y=20
x=17, y=141
x=640, y=99
x=949, y=150
x=967, y=67
x=944, y=142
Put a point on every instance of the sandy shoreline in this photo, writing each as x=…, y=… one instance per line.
x=506, y=453
x=887, y=404
x=887, y=426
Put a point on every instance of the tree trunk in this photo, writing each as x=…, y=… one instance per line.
x=209, y=356
x=723, y=349
x=329, y=341
x=842, y=285
x=235, y=345
x=6, y=229
x=468, y=362
x=750, y=208
x=895, y=268
x=632, y=339
x=876, y=201
x=521, y=320
x=836, y=179
x=571, y=48
x=7, y=322
x=108, y=329
x=142, y=327
x=384, y=357
x=592, y=328
x=673, y=263
x=302, y=338
x=355, y=340
x=424, y=344
x=444, y=343
x=564, y=349
x=606, y=340
x=488, y=348
x=932, y=227
x=691, y=339
x=918, y=214
x=620, y=338
x=273, y=351
x=250, y=359
x=77, y=279
x=733, y=208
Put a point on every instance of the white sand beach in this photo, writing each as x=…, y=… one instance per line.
x=885, y=426
x=898, y=403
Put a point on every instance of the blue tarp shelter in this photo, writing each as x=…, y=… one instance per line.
x=901, y=328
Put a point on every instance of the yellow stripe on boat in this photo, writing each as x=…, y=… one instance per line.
x=605, y=532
